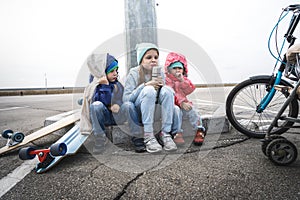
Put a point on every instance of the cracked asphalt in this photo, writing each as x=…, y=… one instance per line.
x=227, y=166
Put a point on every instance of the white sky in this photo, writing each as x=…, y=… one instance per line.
x=53, y=38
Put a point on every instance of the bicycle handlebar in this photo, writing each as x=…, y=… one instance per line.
x=292, y=7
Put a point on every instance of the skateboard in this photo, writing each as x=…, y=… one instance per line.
x=67, y=145
x=12, y=138
x=17, y=140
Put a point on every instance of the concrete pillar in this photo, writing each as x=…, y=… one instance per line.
x=140, y=26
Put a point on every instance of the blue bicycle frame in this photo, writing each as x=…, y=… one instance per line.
x=269, y=96
x=291, y=40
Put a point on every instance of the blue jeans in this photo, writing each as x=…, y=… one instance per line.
x=101, y=117
x=145, y=105
x=177, y=120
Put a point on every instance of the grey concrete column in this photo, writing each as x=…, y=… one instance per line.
x=140, y=26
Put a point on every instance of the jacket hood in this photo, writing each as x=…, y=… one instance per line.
x=97, y=64
x=100, y=64
x=174, y=57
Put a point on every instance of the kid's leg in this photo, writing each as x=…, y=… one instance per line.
x=177, y=126
x=196, y=121
x=129, y=112
x=166, y=100
x=177, y=121
x=145, y=103
x=99, y=115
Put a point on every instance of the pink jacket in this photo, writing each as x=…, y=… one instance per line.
x=182, y=89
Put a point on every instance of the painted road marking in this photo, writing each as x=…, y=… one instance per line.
x=12, y=108
x=16, y=176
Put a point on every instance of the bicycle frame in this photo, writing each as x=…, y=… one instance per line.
x=282, y=109
x=291, y=40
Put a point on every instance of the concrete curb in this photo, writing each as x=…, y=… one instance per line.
x=51, y=138
x=120, y=134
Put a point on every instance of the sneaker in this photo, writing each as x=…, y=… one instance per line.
x=100, y=143
x=199, y=137
x=178, y=139
x=152, y=145
x=169, y=144
x=139, y=144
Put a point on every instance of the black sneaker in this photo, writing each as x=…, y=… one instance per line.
x=139, y=144
x=100, y=143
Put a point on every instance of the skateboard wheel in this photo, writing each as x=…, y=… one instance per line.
x=58, y=149
x=80, y=101
x=18, y=137
x=24, y=153
x=6, y=133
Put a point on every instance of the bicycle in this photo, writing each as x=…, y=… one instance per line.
x=266, y=106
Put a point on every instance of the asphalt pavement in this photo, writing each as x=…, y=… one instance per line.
x=227, y=166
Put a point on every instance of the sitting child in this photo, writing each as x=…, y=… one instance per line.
x=102, y=103
x=176, y=77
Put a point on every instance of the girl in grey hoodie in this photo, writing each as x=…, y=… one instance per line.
x=142, y=90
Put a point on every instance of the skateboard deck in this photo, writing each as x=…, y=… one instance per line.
x=43, y=132
x=73, y=140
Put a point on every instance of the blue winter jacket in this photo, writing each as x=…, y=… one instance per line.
x=109, y=94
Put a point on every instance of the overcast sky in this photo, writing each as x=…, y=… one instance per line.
x=43, y=39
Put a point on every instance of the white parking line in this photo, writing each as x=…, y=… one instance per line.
x=16, y=176
x=12, y=108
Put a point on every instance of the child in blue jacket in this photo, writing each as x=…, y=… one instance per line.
x=104, y=98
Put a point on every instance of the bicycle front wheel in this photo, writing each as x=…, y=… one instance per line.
x=242, y=102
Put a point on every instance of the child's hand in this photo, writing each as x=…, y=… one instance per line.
x=179, y=76
x=186, y=106
x=160, y=81
x=103, y=80
x=156, y=83
x=115, y=108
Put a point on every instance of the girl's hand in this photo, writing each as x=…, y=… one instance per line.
x=186, y=106
x=115, y=108
x=179, y=76
x=156, y=83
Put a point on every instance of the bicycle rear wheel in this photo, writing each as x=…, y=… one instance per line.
x=242, y=102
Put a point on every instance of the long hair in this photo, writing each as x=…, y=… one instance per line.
x=141, y=75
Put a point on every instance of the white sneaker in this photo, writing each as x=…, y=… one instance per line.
x=152, y=145
x=169, y=144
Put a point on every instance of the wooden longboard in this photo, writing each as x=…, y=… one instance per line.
x=73, y=139
x=43, y=132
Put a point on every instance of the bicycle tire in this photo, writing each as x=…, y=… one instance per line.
x=242, y=102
